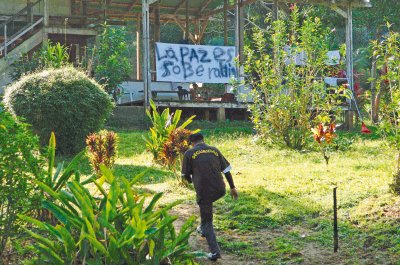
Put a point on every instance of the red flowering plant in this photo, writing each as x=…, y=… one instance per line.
x=325, y=137
x=173, y=150
x=102, y=149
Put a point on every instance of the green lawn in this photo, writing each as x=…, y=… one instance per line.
x=284, y=212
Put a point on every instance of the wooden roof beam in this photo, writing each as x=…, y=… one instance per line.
x=183, y=28
x=359, y=3
x=205, y=5
x=339, y=10
x=221, y=9
x=179, y=6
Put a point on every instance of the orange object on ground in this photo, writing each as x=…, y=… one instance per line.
x=364, y=129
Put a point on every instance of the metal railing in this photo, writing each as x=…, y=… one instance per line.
x=20, y=24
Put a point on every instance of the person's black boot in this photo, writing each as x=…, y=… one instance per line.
x=213, y=256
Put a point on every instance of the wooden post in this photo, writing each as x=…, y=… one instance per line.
x=241, y=36
x=349, y=60
x=275, y=11
x=207, y=114
x=138, y=44
x=157, y=22
x=187, y=20
x=156, y=37
x=335, y=223
x=104, y=11
x=146, y=52
x=237, y=29
x=221, y=114
x=83, y=9
x=29, y=12
x=45, y=20
x=46, y=12
x=225, y=22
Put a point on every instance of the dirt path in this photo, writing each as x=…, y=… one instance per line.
x=184, y=211
x=310, y=253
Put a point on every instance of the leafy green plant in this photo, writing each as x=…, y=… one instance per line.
x=102, y=149
x=20, y=165
x=64, y=101
x=164, y=124
x=286, y=70
x=112, y=65
x=387, y=54
x=49, y=56
x=114, y=227
x=56, y=179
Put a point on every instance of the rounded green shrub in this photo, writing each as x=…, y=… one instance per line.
x=64, y=101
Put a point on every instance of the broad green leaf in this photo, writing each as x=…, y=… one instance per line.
x=58, y=171
x=107, y=173
x=128, y=193
x=46, y=242
x=89, y=228
x=96, y=244
x=82, y=199
x=68, y=241
x=50, y=254
x=63, y=215
x=51, y=156
x=69, y=171
x=153, y=203
x=151, y=248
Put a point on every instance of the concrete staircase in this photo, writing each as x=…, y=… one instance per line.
x=20, y=33
x=24, y=47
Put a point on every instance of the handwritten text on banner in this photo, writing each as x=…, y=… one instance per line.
x=195, y=63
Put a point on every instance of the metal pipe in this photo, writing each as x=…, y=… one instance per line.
x=5, y=40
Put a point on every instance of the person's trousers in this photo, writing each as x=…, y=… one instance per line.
x=207, y=228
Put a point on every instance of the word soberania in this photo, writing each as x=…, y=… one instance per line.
x=195, y=63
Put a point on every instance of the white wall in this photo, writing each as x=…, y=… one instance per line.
x=56, y=7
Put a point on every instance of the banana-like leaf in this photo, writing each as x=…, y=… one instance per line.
x=185, y=232
x=187, y=122
x=89, y=228
x=58, y=171
x=111, y=204
x=67, y=241
x=128, y=193
x=39, y=224
x=69, y=171
x=63, y=215
x=153, y=203
x=96, y=244
x=84, y=202
x=138, y=177
x=51, y=156
x=50, y=254
x=151, y=247
x=113, y=249
x=100, y=188
x=46, y=242
x=107, y=173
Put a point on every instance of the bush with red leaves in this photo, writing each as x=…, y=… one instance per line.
x=102, y=149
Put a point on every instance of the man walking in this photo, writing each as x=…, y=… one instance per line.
x=202, y=165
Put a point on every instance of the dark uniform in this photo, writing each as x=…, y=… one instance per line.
x=203, y=165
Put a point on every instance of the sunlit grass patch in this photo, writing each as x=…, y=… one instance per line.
x=280, y=188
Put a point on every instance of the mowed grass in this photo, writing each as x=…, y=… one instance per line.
x=285, y=201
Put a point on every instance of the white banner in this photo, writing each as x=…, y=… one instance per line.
x=195, y=63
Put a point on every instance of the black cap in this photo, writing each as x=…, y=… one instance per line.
x=196, y=137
